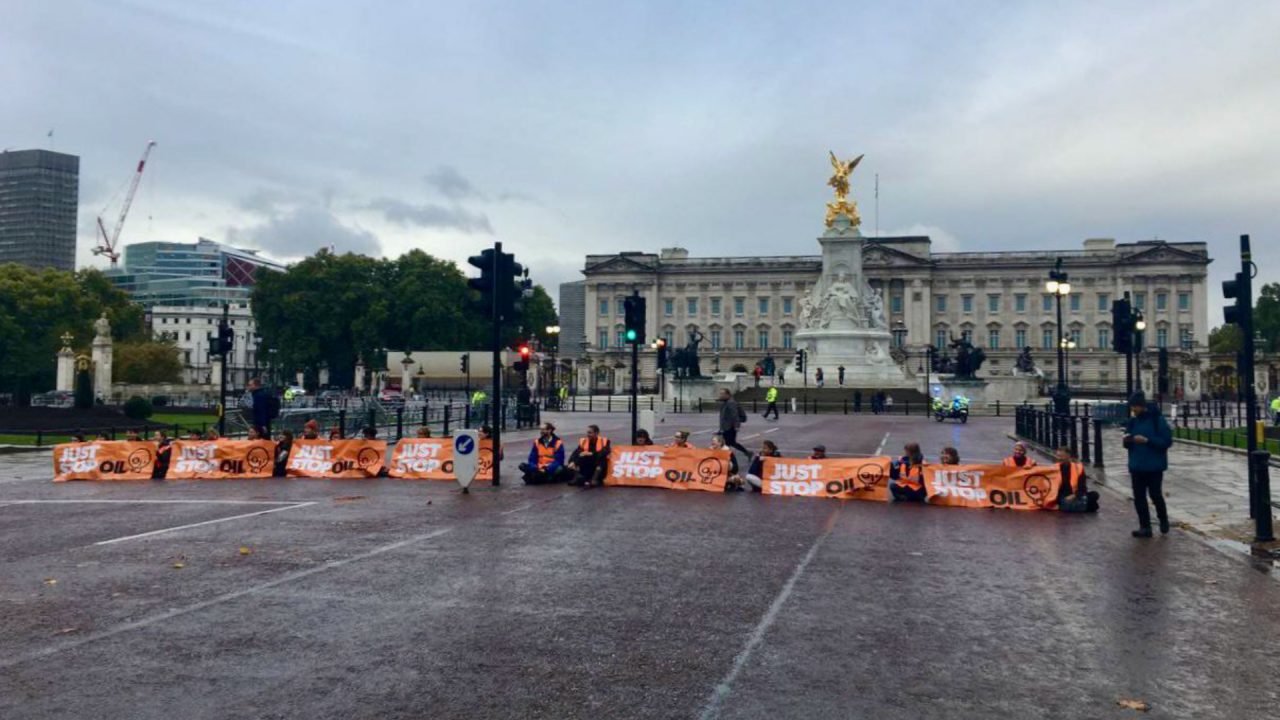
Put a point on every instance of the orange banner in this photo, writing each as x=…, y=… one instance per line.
x=843, y=478
x=993, y=486
x=221, y=459
x=104, y=460
x=670, y=468
x=336, y=458
x=432, y=459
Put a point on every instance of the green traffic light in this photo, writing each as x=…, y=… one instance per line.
x=631, y=335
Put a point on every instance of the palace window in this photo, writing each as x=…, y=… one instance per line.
x=1048, y=303
x=668, y=307
x=940, y=303
x=1104, y=302
x=619, y=305
x=899, y=337
x=1075, y=302
x=602, y=339
x=993, y=339
x=1020, y=302
x=1162, y=301
x=1104, y=338
x=966, y=303
x=895, y=304
x=669, y=335
x=1184, y=301
x=764, y=305
x=940, y=338
x=738, y=305
x=993, y=303
x=715, y=339
x=691, y=306
x=1077, y=337
x=786, y=339
x=763, y=338
x=620, y=338
x=1020, y=338
x=1140, y=301
x=715, y=306
x=739, y=339
x=1185, y=338
x=786, y=306
x=967, y=334
x=1162, y=337
x=1046, y=338
x=604, y=307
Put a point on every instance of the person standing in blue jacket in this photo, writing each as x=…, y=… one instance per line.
x=1147, y=437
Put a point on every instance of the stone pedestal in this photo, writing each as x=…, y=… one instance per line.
x=324, y=376
x=101, y=367
x=66, y=379
x=359, y=384
x=1005, y=389
x=215, y=374
x=843, y=320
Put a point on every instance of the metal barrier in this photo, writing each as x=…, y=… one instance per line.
x=1081, y=434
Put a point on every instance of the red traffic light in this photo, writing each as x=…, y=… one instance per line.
x=525, y=352
x=661, y=343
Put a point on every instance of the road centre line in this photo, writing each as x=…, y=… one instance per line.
x=880, y=447
x=199, y=524
x=218, y=600
x=150, y=502
x=721, y=691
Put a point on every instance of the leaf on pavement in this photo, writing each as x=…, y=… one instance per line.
x=50, y=581
x=67, y=631
x=1138, y=705
x=244, y=550
x=348, y=498
x=178, y=565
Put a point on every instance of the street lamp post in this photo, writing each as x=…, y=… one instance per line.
x=553, y=338
x=1058, y=286
x=1135, y=345
x=1068, y=344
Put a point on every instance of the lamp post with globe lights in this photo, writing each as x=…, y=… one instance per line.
x=1058, y=286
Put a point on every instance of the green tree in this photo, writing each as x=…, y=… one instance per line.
x=539, y=312
x=38, y=306
x=147, y=362
x=1225, y=339
x=1266, y=316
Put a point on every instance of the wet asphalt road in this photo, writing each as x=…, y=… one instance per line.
x=388, y=599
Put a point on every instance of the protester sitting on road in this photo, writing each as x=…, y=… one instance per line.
x=311, y=430
x=164, y=448
x=424, y=432
x=283, y=445
x=949, y=456
x=132, y=435
x=546, y=459
x=734, y=483
x=369, y=432
x=254, y=434
x=485, y=433
x=642, y=437
x=819, y=452
x=102, y=435
x=1019, y=458
x=1147, y=437
x=194, y=434
x=1074, y=495
x=335, y=434
x=590, y=460
x=907, y=475
x=681, y=439
x=77, y=436
x=755, y=471
x=212, y=434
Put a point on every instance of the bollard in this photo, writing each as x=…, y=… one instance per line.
x=1084, y=440
x=608, y=403
x=1262, y=481
x=446, y=419
x=844, y=406
x=342, y=423
x=424, y=413
x=1075, y=446
x=39, y=437
x=591, y=402
x=399, y=422
x=1097, y=443
x=997, y=408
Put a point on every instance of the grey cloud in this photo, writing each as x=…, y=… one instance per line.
x=450, y=183
x=430, y=215
x=302, y=232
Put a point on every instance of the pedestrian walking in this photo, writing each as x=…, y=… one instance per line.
x=840, y=375
x=817, y=377
x=731, y=418
x=771, y=397
x=261, y=403
x=857, y=401
x=1147, y=437
x=782, y=377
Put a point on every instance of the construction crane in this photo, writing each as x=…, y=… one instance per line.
x=108, y=243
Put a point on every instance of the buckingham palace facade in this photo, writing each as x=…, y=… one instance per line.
x=748, y=308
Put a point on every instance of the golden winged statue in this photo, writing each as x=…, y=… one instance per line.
x=840, y=182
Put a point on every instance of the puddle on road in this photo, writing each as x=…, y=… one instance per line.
x=1264, y=560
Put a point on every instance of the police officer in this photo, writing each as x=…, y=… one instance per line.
x=771, y=397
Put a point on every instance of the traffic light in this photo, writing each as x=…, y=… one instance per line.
x=522, y=364
x=509, y=286
x=483, y=284
x=226, y=339
x=661, y=345
x=1139, y=325
x=634, y=312
x=1122, y=326
x=799, y=363
x=1241, y=312
x=465, y=364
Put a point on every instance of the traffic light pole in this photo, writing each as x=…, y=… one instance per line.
x=635, y=403
x=222, y=377
x=496, y=401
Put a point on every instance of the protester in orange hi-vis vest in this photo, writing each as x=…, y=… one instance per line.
x=590, y=461
x=907, y=475
x=1074, y=495
x=546, y=459
x=1019, y=458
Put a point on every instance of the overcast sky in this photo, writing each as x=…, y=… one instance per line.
x=570, y=128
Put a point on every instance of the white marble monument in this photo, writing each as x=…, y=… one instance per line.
x=102, y=352
x=842, y=320
x=66, y=379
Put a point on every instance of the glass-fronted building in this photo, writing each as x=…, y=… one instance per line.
x=197, y=274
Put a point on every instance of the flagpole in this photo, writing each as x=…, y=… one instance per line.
x=877, y=204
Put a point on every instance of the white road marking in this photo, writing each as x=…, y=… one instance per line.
x=199, y=524
x=218, y=600
x=880, y=447
x=225, y=597
x=152, y=502
x=712, y=710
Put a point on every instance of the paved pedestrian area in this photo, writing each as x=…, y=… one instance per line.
x=406, y=599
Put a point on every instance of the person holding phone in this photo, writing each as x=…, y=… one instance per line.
x=1147, y=437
